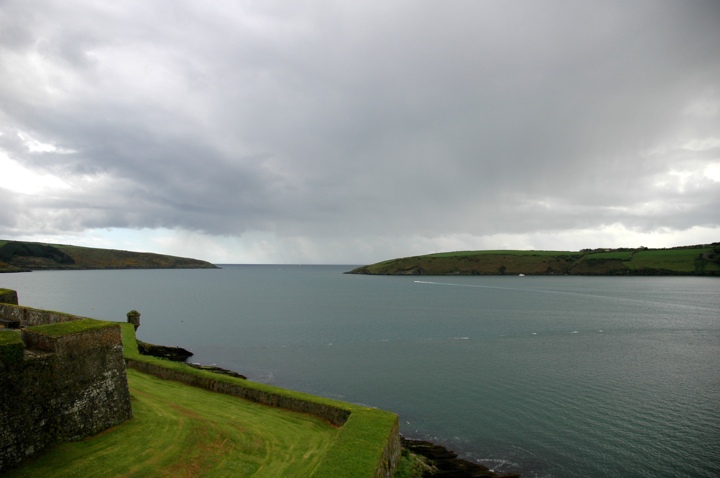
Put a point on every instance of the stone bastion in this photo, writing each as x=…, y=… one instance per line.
x=62, y=378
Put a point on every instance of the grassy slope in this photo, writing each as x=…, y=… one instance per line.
x=93, y=258
x=179, y=430
x=359, y=444
x=693, y=260
x=183, y=431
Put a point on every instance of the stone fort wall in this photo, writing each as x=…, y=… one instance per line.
x=61, y=381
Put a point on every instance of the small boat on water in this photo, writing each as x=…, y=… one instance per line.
x=521, y=275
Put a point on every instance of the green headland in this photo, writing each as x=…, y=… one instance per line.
x=702, y=260
x=21, y=256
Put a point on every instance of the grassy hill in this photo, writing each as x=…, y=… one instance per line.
x=686, y=260
x=16, y=256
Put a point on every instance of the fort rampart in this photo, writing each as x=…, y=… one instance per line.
x=61, y=381
x=363, y=428
x=62, y=378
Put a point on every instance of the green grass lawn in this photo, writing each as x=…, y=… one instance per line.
x=617, y=255
x=499, y=252
x=682, y=260
x=182, y=431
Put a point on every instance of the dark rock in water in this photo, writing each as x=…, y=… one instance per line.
x=214, y=369
x=179, y=354
x=176, y=354
x=447, y=464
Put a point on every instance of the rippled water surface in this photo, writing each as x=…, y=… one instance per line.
x=550, y=376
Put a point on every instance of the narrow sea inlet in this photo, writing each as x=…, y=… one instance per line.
x=550, y=376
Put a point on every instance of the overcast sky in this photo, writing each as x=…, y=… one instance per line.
x=353, y=132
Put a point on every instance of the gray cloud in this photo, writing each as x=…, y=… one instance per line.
x=412, y=119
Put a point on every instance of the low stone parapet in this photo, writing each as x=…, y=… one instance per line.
x=28, y=316
x=333, y=415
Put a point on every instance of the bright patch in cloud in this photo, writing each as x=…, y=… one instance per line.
x=35, y=146
x=20, y=179
x=702, y=144
x=712, y=172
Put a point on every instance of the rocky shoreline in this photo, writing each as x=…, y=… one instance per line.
x=175, y=354
x=179, y=354
x=446, y=464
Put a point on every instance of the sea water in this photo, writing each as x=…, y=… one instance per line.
x=548, y=376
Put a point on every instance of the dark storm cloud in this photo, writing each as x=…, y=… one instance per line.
x=383, y=118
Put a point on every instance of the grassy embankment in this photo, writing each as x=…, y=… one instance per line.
x=184, y=431
x=690, y=260
x=18, y=256
x=179, y=431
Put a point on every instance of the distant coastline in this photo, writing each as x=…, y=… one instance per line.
x=22, y=256
x=697, y=260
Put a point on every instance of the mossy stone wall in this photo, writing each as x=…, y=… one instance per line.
x=29, y=316
x=89, y=379
x=26, y=410
x=391, y=454
x=8, y=296
x=12, y=348
x=335, y=415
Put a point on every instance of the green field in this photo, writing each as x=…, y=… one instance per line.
x=683, y=260
x=180, y=431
